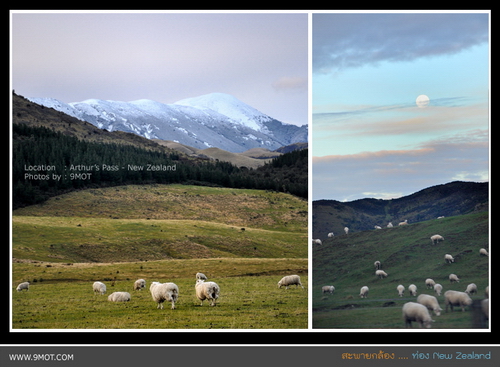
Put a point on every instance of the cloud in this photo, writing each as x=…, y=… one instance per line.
x=287, y=83
x=353, y=40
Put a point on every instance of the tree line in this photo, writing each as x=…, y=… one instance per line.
x=48, y=163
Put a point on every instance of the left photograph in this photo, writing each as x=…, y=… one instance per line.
x=159, y=171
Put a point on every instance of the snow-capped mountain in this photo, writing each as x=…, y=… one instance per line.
x=212, y=120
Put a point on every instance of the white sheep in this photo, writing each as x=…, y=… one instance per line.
x=412, y=288
x=448, y=258
x=330, y=235
x=363, y=293
x=430, y=302
x=23, y=285
x=436, y=238
x=201, y=276
x=440, y=217
x=430, y=283
x=381, y=274
x=289, y=280
x=139, y=284
x=316, y=241
x=401, y=290
x=471, y=289
x=328, y=289
x=485, y=307
x=99, y=287
x=456, y=298
x=453, y=278
x=377, y=227
x=346, y=230
x=403, y=223
x=377, y=264
x=161, y=292
x=483, y=252
x=119, y=297
x=413, y=311
x=487, y=291
x=438, y=288
x=207, y=291
x=389, y=225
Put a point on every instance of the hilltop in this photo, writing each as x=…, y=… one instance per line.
x=451, y=199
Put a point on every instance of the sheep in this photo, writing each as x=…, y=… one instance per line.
x=440, y=217
x=207, y=291
x=430, y=283
x=161, y=292
x=377, y=227
x=381, y=274
x=23, y=285
x=413, y=289
x=438, y=288
x=328, y=289
x=471, y=289
x=483, y=252
x=485, y=307
x=389, y=225
x=316, y=241
x=363, y=293
x=330, y=235
x=456, y=298
x=139, y=284
x=487, y=291
x=448, y=258
x=99, y=287
x=453, y=278
x=401, y=290
x=377, y=264
x=403, y=223
x=430, y=302
x=201, y=276
x=346, y=230
x=290, y=280
x=436, y=238
x=119, y=297
x=413, y=311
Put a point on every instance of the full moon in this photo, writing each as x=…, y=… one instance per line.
x=422, y=101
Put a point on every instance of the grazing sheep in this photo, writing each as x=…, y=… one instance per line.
x=440, y=217
x=381, y=274
x=413, y=311
x=403, y=223
x=377, y=227
x=436, y=238
x=289, y=280
x=456, y=298
x=328, y=289
x=401, y=290
x=23, y=285
x=413, y=289
x=119, y=297
x=430, y=283
x=346, y=230
x=139, y=284
x=430, y=302
x=201, y=276
x=389, y=225
x=161, y=292
x=471, y=289
x=99, y=288
x=317, y=242
x=363, y=293
x=438, y=288
x=448, y=258
x=377, y=264
x=207, y=291
x=483, y=252
x=330, y=235
x=453, y=278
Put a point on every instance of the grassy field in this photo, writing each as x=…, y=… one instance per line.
x=408, y=256
x=245, y=240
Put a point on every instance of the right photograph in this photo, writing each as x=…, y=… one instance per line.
x=400, y=170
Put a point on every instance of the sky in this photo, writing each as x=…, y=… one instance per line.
x=369, y=138
x=259, y=58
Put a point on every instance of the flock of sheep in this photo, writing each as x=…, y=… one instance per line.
x=419, y=311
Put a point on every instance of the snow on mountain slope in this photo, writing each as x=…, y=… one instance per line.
x=213, y=120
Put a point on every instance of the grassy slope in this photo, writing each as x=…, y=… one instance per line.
x=408, y=256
